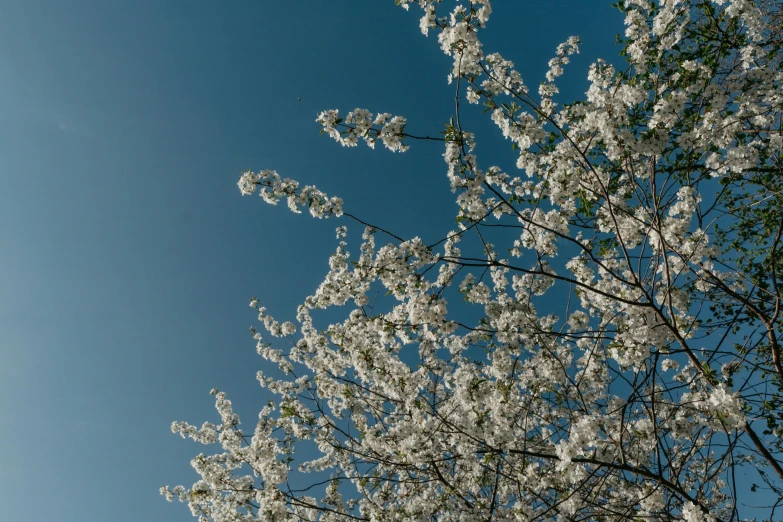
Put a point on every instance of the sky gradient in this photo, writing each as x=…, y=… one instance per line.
x=128, y=255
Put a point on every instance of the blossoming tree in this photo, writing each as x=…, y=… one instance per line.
x=652, y=209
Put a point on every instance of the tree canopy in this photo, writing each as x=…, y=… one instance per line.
x=599, y=336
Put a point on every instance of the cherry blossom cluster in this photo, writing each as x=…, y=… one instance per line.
x=361, y=123
x=273, y=188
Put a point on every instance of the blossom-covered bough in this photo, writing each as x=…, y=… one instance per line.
x=599, y=337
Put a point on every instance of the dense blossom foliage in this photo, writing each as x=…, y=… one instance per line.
x=598, y=338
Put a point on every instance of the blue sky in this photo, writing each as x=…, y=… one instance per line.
x=128, y=255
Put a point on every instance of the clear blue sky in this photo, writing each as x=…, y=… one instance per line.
x=128, y=256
